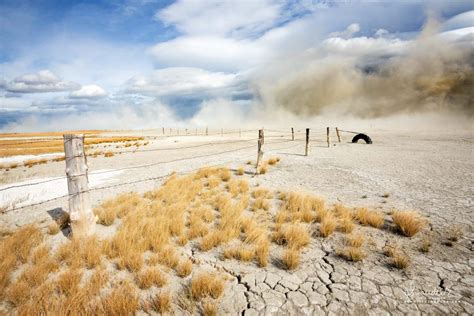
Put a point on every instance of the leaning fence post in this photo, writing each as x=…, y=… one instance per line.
x=292, y=134
x=327, y=134
x=80, y=210
x=307, y=142
x=259, y=146
x=338, y=136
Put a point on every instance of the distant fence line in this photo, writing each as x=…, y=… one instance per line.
x=77, y=169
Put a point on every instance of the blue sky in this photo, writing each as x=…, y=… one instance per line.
x=142, y=63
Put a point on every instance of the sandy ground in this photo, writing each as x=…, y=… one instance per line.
x=424, y=171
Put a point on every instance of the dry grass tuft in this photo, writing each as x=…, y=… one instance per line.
x=273, y=161
x=108, y=154
x=106, y=215
x=206, y=284
x=263, y=169
x=400, y=260
x=352, y=253
x=295, y=235
x=386, y=195
x=249, y=162
x=184, y=268
x=240, y=171
x=291, y=258
x=408, y=223
x=260, y=204
x=242, y=252
x=369, y=217
x=225, y=174
x=328, y=226
x=161, y=302
x=236, y=187
x=149, y=277
x=122, y=300
x=425, y=244
x=68, y=281
x=454, y=233
x=354, y=240
x=210, y=307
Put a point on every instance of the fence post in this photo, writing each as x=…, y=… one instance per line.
x=186, y=132
x=338, y=136
x=163, y=130
x=259, y=151
x=207, y=131
x=307, y=142
x=222, y=132
x=80, y=210
x=240, y=132
x=327, y=134
x=292, y=134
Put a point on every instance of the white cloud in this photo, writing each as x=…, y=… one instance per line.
x=209, y=52
x=88, y=92
x=352, y=29
x=221, y=17
x=359, y=46
x=39, y=82
x=179, y=80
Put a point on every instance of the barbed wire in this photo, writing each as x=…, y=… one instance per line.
x=135, y=181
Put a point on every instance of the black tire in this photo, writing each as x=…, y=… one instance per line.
x=363, y=137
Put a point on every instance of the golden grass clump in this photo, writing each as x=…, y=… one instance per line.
x=425, y=244
x=68, y=281
x=290, y=258
x=242, y=252
x=240, y=171
x=161, y=302
x=400, y=260
x=210, y=307
x=454, y=233
x=225, y=174
x=261, y=204
x=109, y=154
x=236, y=187
x=149, y=277
x=80, y=252
x=206, y=284
x=408, y=223
x=210, y=240
x=369, y=217
x=263, y=169
x=273, y=161
x=354, y=240
x=328, y=226
x=352, y=253
x=295, y=235
x=184, y=268
x=122, y=300
x=262, y=193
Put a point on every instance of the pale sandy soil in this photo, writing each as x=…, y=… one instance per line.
x=424, y=171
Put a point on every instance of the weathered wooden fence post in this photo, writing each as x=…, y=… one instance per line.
x=338, y=136
x=327, y=134
x=307, y=142
x=259, y=150
x=207, y=131
x=292, y=134
x=163, y=130
x=80, y=210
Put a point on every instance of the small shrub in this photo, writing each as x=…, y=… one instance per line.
x=273, y=161
x=454, y=233
x=425, y=244
x=408, y=223
x=122, y=300
x=263, y=169
x=210, y=308
x=108, y=154
x=386, y=195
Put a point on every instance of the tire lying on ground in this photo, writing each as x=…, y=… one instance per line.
x=363, y=137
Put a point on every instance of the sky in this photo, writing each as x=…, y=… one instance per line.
x=123, y=64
